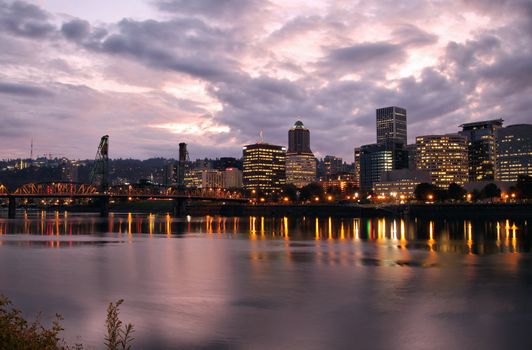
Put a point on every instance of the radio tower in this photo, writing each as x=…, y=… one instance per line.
x=100, y=171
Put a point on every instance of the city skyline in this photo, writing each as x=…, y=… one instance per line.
x=213, y=74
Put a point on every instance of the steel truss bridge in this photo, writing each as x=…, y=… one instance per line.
x=73, y=190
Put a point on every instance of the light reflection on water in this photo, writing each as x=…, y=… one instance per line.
x=271, y=283
x=458, y=236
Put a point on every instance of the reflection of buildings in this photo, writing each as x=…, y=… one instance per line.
x=391, y=124
x=403, y=182
x=264, y=166
x=444, y=156
x=514, y=152
x=300, y=161
x=481, y=148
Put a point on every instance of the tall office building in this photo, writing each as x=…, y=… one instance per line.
x=300, y=161
x=481, y=148
x=391, y=124
x=356, y=165
x=377, y=158
x=513, y=152
x=444, y=157
x=299, y=139
x=264, y=166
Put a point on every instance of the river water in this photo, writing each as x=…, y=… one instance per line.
x=275, y=283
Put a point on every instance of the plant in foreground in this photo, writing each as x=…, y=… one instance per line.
x=117, y=337
x=18, y=334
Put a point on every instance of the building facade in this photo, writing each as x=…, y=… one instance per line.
x=481, y=148
x=377, y=158
x=444, y=157
x=299, y=139
x=513, y=152
x=264, y=166
x=232, y=178
x=212, y=178
x=332, y=165
x=391, y=124
x=400, y=184
x=300, y=161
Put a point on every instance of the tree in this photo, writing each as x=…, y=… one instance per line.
x=290, y=191
x=524, y=186
x=424, y=190
x=456, y=192
x=310, y=191
x=491, y=190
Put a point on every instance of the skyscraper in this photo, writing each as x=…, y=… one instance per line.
x=264, y=166
x=481, y=148
x=300, y=162
x=444, y=157
x=375, y=159
x=299, y=139
x=391, y=124
x=514, y=152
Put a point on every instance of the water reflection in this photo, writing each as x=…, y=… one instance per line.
x=450, y=236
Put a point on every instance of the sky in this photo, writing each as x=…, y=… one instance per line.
x=214, y=73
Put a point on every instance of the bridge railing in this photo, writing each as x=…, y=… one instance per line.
x=56, y=188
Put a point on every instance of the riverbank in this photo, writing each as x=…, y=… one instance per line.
x=450, y=210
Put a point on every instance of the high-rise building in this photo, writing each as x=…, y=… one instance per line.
x=300, y=162
x=377, y=158
x=264, y=166
x=357, y=167
x=411, y=149
x=513, y=152
x=299, y=139
x=444, y=157
x=391, y=124
x=481, y=148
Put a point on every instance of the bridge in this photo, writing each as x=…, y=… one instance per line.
x=73, y=190
x=99, y=189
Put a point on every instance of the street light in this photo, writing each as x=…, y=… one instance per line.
x=430, y=197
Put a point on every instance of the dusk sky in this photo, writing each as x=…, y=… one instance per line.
x=213, y=73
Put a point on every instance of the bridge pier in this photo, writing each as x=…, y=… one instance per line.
x=180, y=207
x=104, y=206
x=12, y=208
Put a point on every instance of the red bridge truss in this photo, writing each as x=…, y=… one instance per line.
x=56, y=188
x=74, y=189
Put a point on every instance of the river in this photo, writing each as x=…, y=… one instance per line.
x=275, y=283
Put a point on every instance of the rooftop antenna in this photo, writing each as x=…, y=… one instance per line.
x=31, y=149
x=261, y=137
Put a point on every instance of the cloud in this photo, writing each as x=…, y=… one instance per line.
x=410, y=35
x=368, y=57
x=204, y=66
x=23, y=90
x=24, y=19
x=212, y=9
x=76, y=29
